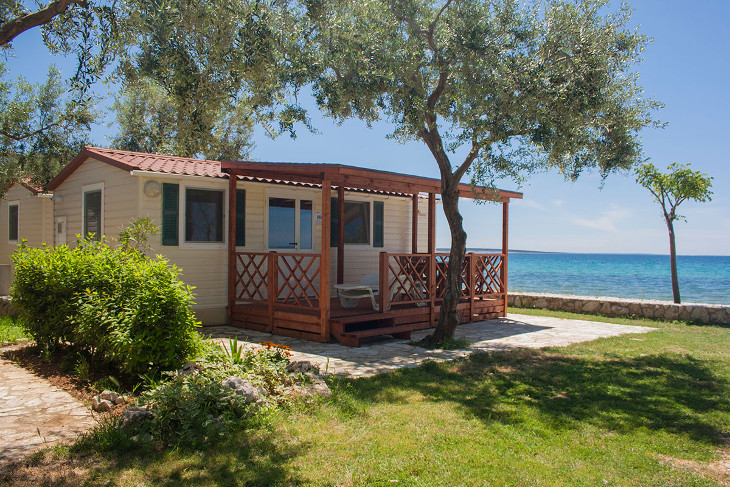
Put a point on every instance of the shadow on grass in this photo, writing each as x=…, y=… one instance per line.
x=669, y=392
x=250, y=459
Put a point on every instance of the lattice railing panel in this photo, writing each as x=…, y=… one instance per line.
x=298, y=279
x=408, y=281
x=486, y=279
x=488, y=274
x=252, y=277
x=442, y=270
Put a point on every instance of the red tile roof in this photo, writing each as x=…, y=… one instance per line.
x=157, y=163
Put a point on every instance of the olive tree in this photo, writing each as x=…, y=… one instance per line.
x=671, y=189
x=494, y=89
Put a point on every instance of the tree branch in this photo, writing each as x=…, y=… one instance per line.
x=12, y=28
x=18, y=138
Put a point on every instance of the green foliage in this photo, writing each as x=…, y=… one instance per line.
x=194, y=409
x=518, y=87
x=41, y=128
x=216, y=68
x=135, y=237
x=149, y=121
x=120, y=307
x=672, y=188
x=11, y=331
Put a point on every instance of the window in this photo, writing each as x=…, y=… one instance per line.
x=356, y=222
x=93, y=211
x=13, y=222
x=203, y=215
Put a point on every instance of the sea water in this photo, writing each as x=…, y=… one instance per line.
x=702, y=279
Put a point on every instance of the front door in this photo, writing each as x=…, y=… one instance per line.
x=61, y=230
x=290, y=224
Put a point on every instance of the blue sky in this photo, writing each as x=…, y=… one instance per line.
x=687, y=67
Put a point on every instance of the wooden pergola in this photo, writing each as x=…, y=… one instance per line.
x=340, y=178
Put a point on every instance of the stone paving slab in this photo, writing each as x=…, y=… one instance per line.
x=34, y=413
x=385, y=354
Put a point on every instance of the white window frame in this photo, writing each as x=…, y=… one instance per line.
x=182, y=208
x=15, y=203
x=297, y=196
x=87, y=189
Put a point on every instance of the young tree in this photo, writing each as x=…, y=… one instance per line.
x=670, y=190
x=503, y=89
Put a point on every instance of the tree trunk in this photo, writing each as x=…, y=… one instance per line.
x=449, y=315
x=673, y=261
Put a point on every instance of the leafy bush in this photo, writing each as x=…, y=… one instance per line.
x=121, y=307
x=195, y=408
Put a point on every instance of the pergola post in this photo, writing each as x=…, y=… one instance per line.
x=232, y=178
x=340, y=234
x=414, y=224
x=431, y=223
x=324, y=261
x=505, y=248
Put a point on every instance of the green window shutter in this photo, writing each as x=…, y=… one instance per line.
x=240, y=217
x=334, y=223
x=378, y=227
x=170, y=201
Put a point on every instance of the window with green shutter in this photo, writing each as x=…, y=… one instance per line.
x=240, y=217
x=170, y=209
x=378, y=226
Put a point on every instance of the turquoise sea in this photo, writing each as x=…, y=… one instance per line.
x=702, y=279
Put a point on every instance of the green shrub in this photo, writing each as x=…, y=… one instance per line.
x=118, y=305
x=195, y=408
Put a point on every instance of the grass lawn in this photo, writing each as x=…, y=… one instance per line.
x=10, y=332
x=643, y=410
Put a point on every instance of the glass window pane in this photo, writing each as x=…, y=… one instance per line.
x=357, y=222
x=282, y=221
x=203, y=215
x=92, y=214
x=305, y=224
x=13, y=222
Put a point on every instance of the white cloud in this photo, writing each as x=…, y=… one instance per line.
x=528, y=203
x=607, y=220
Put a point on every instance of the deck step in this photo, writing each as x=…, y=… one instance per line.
x=346, y=320
x=352, y=338
x=388, y=330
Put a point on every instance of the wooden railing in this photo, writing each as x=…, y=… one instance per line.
x=289, y=279
x=421, y=278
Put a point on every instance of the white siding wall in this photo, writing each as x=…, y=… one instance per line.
x=120, y=200
x=35, y=220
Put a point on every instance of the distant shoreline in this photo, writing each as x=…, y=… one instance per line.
x=522, y=251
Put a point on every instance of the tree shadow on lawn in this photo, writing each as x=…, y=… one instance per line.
x=250, y=459
x=669, y=392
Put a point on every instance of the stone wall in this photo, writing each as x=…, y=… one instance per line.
x=639, y=308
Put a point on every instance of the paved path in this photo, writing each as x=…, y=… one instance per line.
x=384, y=354
x=34, y=413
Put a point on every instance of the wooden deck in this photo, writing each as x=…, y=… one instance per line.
x=351, y=325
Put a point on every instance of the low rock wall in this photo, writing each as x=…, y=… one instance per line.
x=638, y=308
